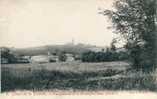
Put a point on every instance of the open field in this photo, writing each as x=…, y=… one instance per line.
x=74, y=76
x=65, y=66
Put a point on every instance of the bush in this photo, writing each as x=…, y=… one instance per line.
x=62, y=56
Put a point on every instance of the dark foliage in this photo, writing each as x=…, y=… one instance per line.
x=135, y=21
x=6, y=53
x=62, y=56
x=104, y=56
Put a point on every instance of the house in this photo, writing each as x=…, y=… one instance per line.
x=69, y=57
x=53, y=58
x=40, y=59
x=4, y=61
x=44, y=58
x=78, y=57
x=26, y=57
x=22, y=60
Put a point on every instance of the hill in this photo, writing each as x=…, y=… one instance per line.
x=68, y=48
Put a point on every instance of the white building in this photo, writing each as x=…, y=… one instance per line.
x=53, y=58
x=69, y=57
x=40, y=59
x=44, y=59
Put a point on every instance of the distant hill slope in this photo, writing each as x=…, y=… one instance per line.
x=68, y=48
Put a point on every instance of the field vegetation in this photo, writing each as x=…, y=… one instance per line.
x=75, y=76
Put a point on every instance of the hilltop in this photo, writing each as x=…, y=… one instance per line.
x=68, y=48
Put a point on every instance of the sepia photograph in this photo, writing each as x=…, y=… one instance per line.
x=78, y=46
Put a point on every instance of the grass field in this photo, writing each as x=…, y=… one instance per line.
x=74, y=76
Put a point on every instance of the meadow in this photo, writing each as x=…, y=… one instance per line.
x=76, y=76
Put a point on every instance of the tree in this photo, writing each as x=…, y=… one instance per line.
x=62, y=56
x=134, y=20
x=113, y=47
x=6, y=53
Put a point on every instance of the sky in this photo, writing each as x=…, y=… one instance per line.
x=30, y=23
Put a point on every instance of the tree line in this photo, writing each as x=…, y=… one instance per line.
x=108, y=55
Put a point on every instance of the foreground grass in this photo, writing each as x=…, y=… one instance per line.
x=44, y=79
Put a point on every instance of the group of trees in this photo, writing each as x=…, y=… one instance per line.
x=109, y=55
x=6, y=54
x=135, y=21
x=62, y=56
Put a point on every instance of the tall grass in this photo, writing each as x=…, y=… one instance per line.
x=65, y=80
